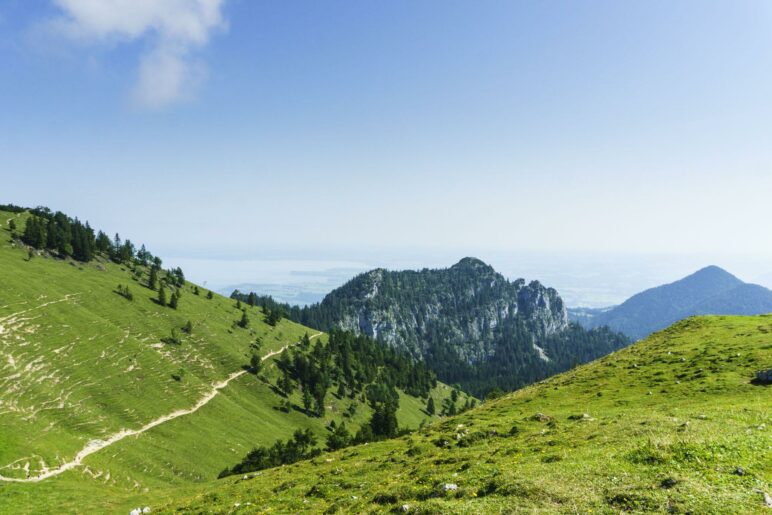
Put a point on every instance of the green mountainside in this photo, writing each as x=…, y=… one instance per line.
x=709, y=291
x=113, y=398
x=469, y=324
x=672, y=424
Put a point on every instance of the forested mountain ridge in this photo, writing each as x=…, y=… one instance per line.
x=709, y=291
x=469, y=323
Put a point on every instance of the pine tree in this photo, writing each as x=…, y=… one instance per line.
x=255, y=364
x=252, y=299
x=12, y=226
x=238, y=304
x=210, y=295
x=195, y=290
x=115, y=250
x=174, y=300
x=102, y=243
x=143, y=255
x=162, y=296
x=430, y=409
x=188, y=327
x=307, y=399
x=244, y=322
x=338, y=438
x=152, y=282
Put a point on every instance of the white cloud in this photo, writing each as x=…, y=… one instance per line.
x=169, y=71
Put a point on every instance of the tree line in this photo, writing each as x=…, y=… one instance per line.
x=69, y=237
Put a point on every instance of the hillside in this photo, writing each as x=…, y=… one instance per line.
x=468, y=323
x=671, y=424
x=709, y=291
x=107, y=397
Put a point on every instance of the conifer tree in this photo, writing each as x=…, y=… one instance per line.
x=152, y=281
x=338, y=438
x=210, y=295
x=12, y=226
x=255, y=364
x=102, y=243
x=174, y=300
x=307, y=399
x=244, y=322
x=162, y=296
x=430, y=409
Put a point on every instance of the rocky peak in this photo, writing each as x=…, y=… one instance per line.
x=473, y=264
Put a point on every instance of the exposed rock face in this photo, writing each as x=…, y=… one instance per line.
x=468, y=323
x=464, y=305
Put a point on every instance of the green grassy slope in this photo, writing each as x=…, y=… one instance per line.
x=79, y=363
x=661, y=426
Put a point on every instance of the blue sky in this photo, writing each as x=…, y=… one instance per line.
x=311, y=128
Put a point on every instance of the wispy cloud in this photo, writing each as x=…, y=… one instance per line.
x=169, y=71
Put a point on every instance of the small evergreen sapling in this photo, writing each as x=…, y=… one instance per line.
x=244, y=322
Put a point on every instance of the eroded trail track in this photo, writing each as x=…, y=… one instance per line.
x=97, y=445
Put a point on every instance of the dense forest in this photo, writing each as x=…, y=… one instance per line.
x=469, y=324
x=63, y=236
x=347, y=365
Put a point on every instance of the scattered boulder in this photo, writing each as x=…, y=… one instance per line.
x=739, y=471
x=584, y=416
x=668, y=482
x=450, y=487
x=767, y=498
x=541, y=417
x=763, y=377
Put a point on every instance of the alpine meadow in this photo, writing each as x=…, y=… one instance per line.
x=439, y=257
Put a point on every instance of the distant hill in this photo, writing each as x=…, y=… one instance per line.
x=709, y=291
x=470, y=324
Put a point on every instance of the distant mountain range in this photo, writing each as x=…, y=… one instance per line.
x=709, y=291
x=470, y=324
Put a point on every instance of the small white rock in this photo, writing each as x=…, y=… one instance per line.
x=449, y=487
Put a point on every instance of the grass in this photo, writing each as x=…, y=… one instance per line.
x=79, y=362
x=661, y=426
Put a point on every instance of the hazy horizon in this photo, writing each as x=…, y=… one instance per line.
x=384, y=134
x=583, y=280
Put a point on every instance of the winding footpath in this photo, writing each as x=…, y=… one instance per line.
x=97, y=445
